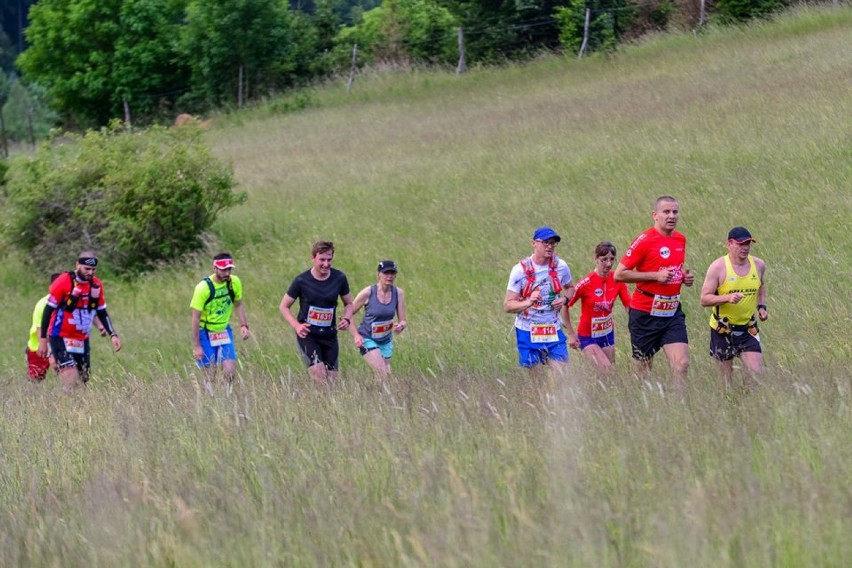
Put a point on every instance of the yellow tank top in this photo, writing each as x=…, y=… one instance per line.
x=748, y=285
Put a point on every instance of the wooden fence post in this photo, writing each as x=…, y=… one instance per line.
x=462, y=66
x=352, y=68
x=585, y=34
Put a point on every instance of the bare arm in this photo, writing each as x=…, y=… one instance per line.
x=624, y=274
x=346, y=321
x=360, y=301
x=302, y=329
x=402, y=323
x=712, y=280
x=241, y=314
x=762, y=311
x=573, y=341
x=512, y=305
x=196, y=334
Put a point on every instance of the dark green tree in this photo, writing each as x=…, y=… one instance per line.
x=147, y=72
x=93, y=55
x=238, y=49
x=739, y=11
x=71, y=52
x=403, y=31
x=496, y=30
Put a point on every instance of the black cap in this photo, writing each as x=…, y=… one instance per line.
x=387, y=266
x=740, y=235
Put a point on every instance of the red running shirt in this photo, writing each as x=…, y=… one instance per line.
x=77, y=323
x=597, y=298
x=652, y=251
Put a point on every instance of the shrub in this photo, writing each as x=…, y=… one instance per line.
x=137, y=197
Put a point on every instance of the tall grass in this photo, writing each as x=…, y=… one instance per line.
x=460, y=459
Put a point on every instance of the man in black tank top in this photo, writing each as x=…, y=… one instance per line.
x=315, y=325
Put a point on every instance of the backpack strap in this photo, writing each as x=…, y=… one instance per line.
x=212, y=294
x=71, y=300
x=554, y=275
x=529, y=272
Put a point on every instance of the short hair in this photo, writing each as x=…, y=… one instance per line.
x=322, y=247
x=223, y=256
x=662, y=198
x=88, y=254
x=604, y=248
x=54, y=276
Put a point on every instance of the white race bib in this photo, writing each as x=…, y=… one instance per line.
x=381, y=329
x=543, y=333
x=320, y=317
x=75, y=345
x=219, y=338
x=602, y=326
x=665, y=306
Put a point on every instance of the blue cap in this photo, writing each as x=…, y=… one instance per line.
x=546, y=233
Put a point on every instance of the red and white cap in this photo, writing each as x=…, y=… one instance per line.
x=223, y=263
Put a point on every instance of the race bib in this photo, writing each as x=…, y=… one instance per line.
x=543, y=333
x=381, y=329
x=665, y=306
x=320, y=317
x=602, y=326
x=75, y=345
x=220, y=338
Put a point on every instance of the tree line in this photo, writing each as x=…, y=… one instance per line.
x=80, y=63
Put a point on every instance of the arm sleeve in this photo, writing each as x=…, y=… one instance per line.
x=45, y=319
x=104, y=317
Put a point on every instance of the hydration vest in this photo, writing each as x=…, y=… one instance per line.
x=529, y=271
x=212, y=288
x=71, y=300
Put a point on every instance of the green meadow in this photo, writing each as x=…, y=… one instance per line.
x=460, y=459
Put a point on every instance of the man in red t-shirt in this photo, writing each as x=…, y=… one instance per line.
x=74, y=300
x=655, y=263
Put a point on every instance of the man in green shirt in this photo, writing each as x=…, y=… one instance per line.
x=213, y=302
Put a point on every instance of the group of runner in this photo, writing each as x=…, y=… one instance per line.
x=62, y=320
x=541, y=291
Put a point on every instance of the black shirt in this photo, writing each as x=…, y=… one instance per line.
x=318, y=299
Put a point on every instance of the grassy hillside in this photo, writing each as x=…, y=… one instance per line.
x=460, y=461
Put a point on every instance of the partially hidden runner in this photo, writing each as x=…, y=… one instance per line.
x=539, y=286
x=655, y=262
x=382, y=302
x=736, y=290
x=597, y=293
x=75, y=298
x=213, y=302
x=37, y=366
x=318, y=290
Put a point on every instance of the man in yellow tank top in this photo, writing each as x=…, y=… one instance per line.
x=734, y=287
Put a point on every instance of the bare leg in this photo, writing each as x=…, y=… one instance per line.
x=726, y=371
x=319, y=373
x=70, y=378
x=599, y=358
x=678, y=356
x=377, y=363
x=642, y=367
x=752, y=368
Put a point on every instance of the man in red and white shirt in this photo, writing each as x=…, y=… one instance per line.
x=655, y=263
x=75, y=298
